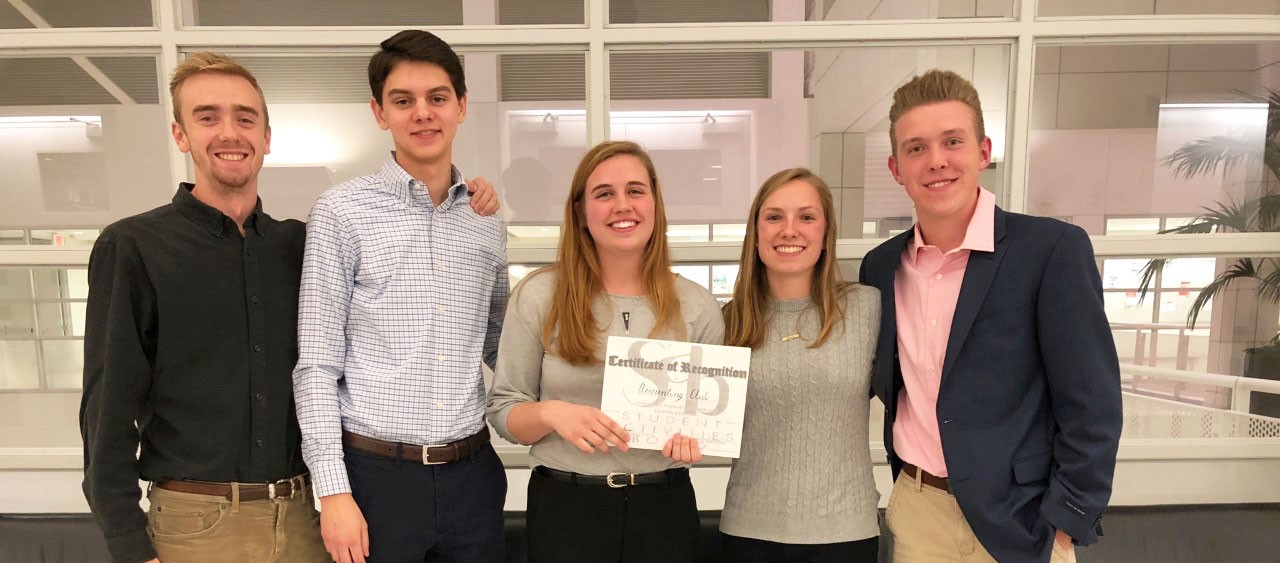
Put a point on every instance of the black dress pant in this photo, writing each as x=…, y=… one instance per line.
x=585, y=523
x=751, y=550
x=448, y=513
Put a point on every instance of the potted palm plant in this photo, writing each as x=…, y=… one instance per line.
x=1255, y=214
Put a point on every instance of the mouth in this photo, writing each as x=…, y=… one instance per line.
x=788, y=250
x=231, y=156
x=623, y=225
x=940, y=184
x=426, y=134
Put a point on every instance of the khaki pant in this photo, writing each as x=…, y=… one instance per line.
x=191, y=528
x=928, y=527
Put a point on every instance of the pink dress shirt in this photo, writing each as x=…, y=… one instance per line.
x=926, y=289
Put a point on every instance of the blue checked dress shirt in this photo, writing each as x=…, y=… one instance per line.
x=400, y=302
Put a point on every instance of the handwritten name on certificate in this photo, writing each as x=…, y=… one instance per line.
x=657, y=388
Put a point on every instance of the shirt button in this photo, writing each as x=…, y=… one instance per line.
x=938, y=277
x=441, y=358
x=253, y=299
x=933, y=322
x=440, y=310
x=258, y=396
x=440, y=405
x=257, y=348
x=259, y=443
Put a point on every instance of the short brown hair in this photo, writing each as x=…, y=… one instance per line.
x=205, y=61
x=930, y=88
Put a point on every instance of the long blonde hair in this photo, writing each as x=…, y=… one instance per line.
x=746, y=317
x=578, y=277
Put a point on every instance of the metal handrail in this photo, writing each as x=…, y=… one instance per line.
x=1241, y=387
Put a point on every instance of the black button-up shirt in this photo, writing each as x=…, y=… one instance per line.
x=190, y=343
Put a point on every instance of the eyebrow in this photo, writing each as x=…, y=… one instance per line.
x=805, y=208
x=947, y=133
x=404, y=92
x=236, y=107
x=598, y=187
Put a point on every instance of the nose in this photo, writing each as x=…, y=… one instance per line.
x=422, y=111
x=228, y=131
x=788, y=227
x=937, y=160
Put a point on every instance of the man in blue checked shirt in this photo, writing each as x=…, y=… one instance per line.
x=403, y=293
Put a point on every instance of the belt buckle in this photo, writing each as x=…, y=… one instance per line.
x=608, y=480
x=293, y=489
x=426, y=454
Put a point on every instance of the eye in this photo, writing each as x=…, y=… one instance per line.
x=636, y=192
x=401, y=102
x=604, y=194
x=915, y=149
x=439, y=99
x=772, y=216
x=809, y=217
x=954, y=141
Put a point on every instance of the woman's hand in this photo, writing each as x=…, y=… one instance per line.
x=585, y=427
x=683, y=449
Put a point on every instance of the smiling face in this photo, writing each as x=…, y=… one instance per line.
x=422, y=111
x=791, y=229
x=938, y=159
x=223, y=128
x=618, y=207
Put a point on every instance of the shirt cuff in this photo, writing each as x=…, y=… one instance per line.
x=330, y=478
x=131, y=547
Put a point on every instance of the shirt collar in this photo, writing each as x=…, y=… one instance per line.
x=399, y=183
x=979, y=236
x=210, y=218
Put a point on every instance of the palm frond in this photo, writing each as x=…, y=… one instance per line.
x=1149, y=271
x=1203, y=156
x=1242, y=268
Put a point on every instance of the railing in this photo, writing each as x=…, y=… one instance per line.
x=1148, y=416
x=1146, y=338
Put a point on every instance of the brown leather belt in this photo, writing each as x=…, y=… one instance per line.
x=456, y=450
x=940, y=483
x=284, y=488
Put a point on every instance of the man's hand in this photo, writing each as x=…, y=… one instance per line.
x=484, y=199
x=342, y=525
x=1064, y=541
x=683, y=449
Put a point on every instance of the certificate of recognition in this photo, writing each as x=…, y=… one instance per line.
x=658, y=388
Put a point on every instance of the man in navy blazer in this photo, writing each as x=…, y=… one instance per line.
x=995, y=363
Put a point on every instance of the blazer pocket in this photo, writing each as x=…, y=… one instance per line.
x=1032, y=469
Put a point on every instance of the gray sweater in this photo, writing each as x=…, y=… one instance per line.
x=804, y=475
x=526, y=373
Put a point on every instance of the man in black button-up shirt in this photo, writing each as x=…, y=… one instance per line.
x=190, y=342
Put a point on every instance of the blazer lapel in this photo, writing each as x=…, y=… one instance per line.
x=978, y=275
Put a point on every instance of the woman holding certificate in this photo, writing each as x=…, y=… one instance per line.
x=802, y=489
x=591, y=496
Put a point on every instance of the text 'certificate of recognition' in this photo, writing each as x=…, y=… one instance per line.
x=658, y=388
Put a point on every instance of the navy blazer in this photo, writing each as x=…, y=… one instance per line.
x=1029, y=406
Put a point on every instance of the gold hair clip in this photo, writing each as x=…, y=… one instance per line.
x=791, y=337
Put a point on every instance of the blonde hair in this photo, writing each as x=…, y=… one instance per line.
x=205, y=61
x=746, y=317
x=934, y=87
x=578, y=277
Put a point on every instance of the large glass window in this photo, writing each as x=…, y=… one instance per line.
x=719, y=124
x=42, y=328
x=42, y=14
x=395, y=13
x=1154, y=130
x=1049, y=8
x=715, y=11
x=84, y=141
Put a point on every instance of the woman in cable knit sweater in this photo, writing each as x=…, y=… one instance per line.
x=802, y=489
x=591, y=498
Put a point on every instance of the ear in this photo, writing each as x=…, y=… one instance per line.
x=180, y=137
x=462, y=113
x=266, y=149
x=893, y=169
x=376, y=108
x=986, y=152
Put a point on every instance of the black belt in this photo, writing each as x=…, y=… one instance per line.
x=616, y=480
